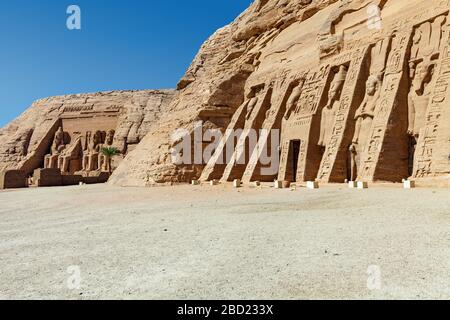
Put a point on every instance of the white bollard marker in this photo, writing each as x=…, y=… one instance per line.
x=312, y=185
x=278, y=184
x=353, y=185
x=407, y=184
x=363, y=185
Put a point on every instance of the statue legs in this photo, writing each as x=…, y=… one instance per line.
x=90, y=162
x=51, y=162
x=64, y=163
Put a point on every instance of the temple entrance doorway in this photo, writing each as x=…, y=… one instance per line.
x=294, y=153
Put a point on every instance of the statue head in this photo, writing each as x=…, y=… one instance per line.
x=97, y=139
x=110, y=137
x=59, y=136
x=337, y=85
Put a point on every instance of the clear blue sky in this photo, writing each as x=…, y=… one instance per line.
x=134, y=44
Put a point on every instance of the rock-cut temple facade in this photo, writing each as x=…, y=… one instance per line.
x=359, y=90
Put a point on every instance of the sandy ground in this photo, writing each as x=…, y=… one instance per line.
x=208, y=242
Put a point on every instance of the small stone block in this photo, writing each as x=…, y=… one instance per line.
x=312, y=185
x=13, y=179
x=47, y=177
x=256, y=184
x=363, y=185
x=195, y=182
x=286, y=184
x=214, y=182
x=409, y=184
x=237, y=183
x=278, y=185
x=353, y=185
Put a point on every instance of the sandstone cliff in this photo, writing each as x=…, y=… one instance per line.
x=215, y=85
x=356, y=90
x=359, y=90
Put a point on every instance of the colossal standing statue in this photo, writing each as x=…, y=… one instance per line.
x=364, y=118
x=424, y=55
x=365, y=113
x=292, y=102
x=329, y=111
x=419, y=96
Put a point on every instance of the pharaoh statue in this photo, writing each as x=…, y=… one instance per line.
x=329, y=111
x=103, y=162
x=72, y=153
x=293, y=100
x=419, y=96
x=91, y=154
x=366, y=112
x=424, y=54
x=51, y=160
x=364, y=118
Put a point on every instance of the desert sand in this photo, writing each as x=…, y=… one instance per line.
x=203, y=242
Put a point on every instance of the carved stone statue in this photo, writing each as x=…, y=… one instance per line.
x=364, y=118
x=292, y=102
x=424, y=54
x=73, y=153
x=329, y=111
x=51, y=160
x=90, y=155
x=419, y=96
x=103, y=162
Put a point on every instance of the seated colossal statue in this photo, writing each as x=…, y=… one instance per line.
x=103, y=162
x=91, y=154
x=69, y=160
x=51, y=160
